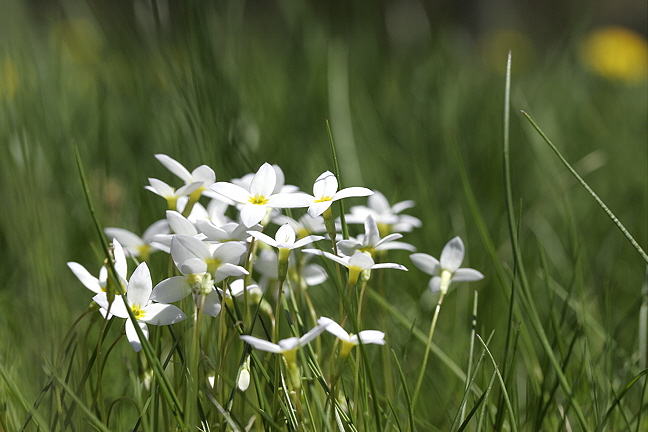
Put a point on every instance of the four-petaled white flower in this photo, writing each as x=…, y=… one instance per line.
x=387, y=217
x=203, y=175
x=98, y=285
x=138, y=294
x=351, y=340
x=137, y=246
x=356, y=263
x=371, y=241
x=259, y=196
x=446, y=269
x=170, y=194
x=325, y=192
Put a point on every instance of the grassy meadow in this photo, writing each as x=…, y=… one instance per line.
x=416, y=111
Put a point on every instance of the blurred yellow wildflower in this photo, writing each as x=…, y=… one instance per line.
x=617, y=53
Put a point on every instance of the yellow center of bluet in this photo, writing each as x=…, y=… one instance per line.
x=138, y=312
x=258, y=200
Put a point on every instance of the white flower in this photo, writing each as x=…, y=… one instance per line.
x=138, y=295
x=203, y=175
x=259, y=196
x=351, y=340
x=193, y=256
x=447, y=269
x=284, y=238
x=371, y=241
x=387, y=217
x=98, y=285
x=284, y=346
x=169, y=193
x=135, y=245
x=325, y=192
x=356, y=263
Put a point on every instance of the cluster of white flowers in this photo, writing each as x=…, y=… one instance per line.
x=208, y=248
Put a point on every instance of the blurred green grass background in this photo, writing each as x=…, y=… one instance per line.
x=234, y=84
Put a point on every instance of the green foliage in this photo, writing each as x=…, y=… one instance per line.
x=554, y=345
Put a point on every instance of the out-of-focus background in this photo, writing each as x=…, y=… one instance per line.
x=233, y=84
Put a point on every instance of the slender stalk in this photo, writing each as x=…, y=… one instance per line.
x=417, y=389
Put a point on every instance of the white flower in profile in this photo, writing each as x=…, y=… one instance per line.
x=170, y=194
x=351, y=340
x=371, y=241
x=98, y=285
x=285, y=238
x=138, y=295
x=260, y=196
x=387, y=217
x=203, y=175
x=325, y=192
x=136, y=246
x=193, y=256
x=446, y=270
x=356, y=263
x=287, y=347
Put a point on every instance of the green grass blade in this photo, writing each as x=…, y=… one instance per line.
x=598, y=200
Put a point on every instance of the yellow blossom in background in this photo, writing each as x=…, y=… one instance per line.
x=8, y=77
x=617, y=53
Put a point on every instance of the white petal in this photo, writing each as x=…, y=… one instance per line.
x=204, y=174
x=289, y=200
x=252, y=214
x=467, y=275
x=139, y=286
x=264, y=181
x=371, y=337
x=426, y=263
x=390, y=266
x=231, y=191
x=452, y=255
x=196, y=247
x=348, y=247
x=403, y=205
x=174, y=166
x=371, y=231
x=230, y=252
x=212, y=306
x=118, y=307
x=121, y=266
x=162, y=314
x=131, y=334
x=180, y=224
x=325, y=185
x=316, y=209
x=435, y=284
x=160, y=188
x=125, y=237
x=378, y=202
x=285, y=235
x=306, y=240
x=314, y=274
x=312, y=334
x=333, y=328
x=188, y=188
x=193, y=266
x=352, y=192
x=361, y=260
x=263, y=237
x=89, y=281
x=170, y=290
x=261, y=344
x=157, y=227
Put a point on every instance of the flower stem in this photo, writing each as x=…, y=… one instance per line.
x=417, y=389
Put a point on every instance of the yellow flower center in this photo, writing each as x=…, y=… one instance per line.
x=323, y=199
x=258, y=200
x=138, y=312
x=212, y=265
